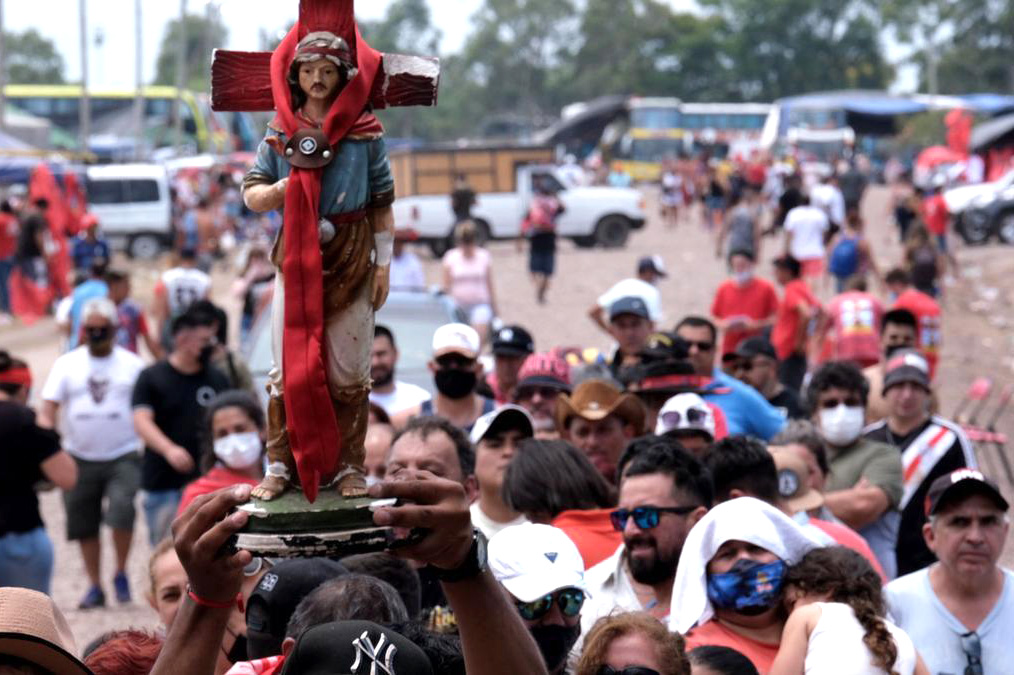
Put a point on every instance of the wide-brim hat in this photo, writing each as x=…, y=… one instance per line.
x=596, y=400
x=32, y=628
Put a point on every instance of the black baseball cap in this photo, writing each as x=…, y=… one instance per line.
x=906, y=365
x=629, y=305
x=513, y=341
x=653, y=263
x=756, y=346
x=789, y=263
x=355, y=647
x=274, y=600
x=959, y=484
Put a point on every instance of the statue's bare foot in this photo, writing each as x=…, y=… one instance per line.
x=352, y=484
x=269, y=488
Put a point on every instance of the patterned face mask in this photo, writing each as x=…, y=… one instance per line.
x=749, y=585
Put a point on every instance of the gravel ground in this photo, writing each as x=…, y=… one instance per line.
x=977, y=341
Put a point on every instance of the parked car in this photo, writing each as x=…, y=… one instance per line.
x=412, y=317
x=977, y=195
x=594, y=215
x=979, y=224
x=133, y=205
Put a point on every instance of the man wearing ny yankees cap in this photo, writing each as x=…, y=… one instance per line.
x=930, y=447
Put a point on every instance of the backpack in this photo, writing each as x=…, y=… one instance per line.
x=845, y=257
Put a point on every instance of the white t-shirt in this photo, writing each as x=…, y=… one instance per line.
x=836, y=645
x=407, y=273
x=403, y=397
x=94, y=396
x=469, y=276
x=487, y=525
x=634, y=288
x=807, y=225
x=184, y=286
x=830, y=200
x=915, y=607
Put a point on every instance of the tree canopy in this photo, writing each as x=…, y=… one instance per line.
x=32, y=59
x=203, y=35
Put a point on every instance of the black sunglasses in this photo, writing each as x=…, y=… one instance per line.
x=570, y=600
x=645, y=517
x=524, y=393
x=701, y=346
x=629, y=670
x=972, y=646
x=849, y=402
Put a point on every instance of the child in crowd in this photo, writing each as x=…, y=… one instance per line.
x=837, y=622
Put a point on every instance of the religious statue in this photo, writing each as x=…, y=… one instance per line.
x=323, y=161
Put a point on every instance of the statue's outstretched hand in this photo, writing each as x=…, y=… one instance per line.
x=381, y=286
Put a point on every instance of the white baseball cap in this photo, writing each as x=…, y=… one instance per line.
x=532, y=560
x=507, y=416
x=686, y=412
x=456, y=338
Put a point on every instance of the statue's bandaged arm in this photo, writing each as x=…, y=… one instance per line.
x=384, y=244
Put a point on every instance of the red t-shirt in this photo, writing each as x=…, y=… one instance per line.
x=8, y=235
x=927, y=313
x=849, y=538
x=713, y=633
x=592, y=533
x=783, y=337
x=934, y=213
x=756, y=300
x=855, y=322
x=216, y=479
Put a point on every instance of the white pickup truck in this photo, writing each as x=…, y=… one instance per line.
x=594, y=215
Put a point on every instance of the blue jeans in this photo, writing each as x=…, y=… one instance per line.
x=26, y=560
x=159, y=510
x=6, y=265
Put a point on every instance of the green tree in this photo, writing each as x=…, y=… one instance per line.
x=203, y=35
x=32, y=59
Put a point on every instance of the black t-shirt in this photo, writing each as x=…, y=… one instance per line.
x=911, y=552
x=178, y=401
x=789, y=200
x=462, y=201
x=24, y=448
x=788, y=400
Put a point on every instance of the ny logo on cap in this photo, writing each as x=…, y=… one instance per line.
x=506, y=335
x=365, y=649
x=268, y=582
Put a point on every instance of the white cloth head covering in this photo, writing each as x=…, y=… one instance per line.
x=744, y=519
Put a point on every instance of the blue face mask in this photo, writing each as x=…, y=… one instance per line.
x=749, y=587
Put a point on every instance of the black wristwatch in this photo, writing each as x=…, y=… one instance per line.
x=473, y=565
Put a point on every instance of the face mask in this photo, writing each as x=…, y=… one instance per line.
x=889, y=352
x=206, y=351
x=454, y=383
x=555, y=643
x=749, y=587
x=99, y=340
x=841, y=425
x=238, y=451
x=743, y=278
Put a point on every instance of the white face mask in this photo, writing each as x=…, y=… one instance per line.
x=842, y=425
x=239, y=451
x=744, y=277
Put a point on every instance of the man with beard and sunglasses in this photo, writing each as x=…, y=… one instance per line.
x=389, y=393
x=664, y=491
x=91, y=386
x=169, y=397
x=542, y=570
x=456, y=369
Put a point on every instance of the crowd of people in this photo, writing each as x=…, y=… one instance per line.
x=769, y=488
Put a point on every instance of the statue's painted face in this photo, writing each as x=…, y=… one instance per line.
x=319, y=79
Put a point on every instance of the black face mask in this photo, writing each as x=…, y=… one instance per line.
x=454, y=383
x=555, y=643
x=206, y=352
x=98, y=335
x=889, y=352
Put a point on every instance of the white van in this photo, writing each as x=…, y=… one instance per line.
x=133, y=206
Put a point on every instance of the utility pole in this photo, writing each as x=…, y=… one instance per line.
x=84, y=109
x=3, y=71
x=181, y=74
x=138, y=83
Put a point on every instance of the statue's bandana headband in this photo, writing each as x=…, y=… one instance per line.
x=311, y=422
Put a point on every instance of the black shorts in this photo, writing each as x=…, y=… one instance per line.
x=542, y=261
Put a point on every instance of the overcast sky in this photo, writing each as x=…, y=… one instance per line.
x=112, y=64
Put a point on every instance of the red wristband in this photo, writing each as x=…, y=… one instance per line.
x=203, y=602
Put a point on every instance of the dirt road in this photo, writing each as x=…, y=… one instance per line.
x=977, y=341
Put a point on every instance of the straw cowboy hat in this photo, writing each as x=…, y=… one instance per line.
x=33, y=629
x=597, y=399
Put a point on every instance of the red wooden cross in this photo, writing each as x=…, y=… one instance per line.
x=241, y=81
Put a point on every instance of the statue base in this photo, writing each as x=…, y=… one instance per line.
x=332, y=526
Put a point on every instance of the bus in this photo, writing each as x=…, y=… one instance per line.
x=649, y=132
x=112, y=111
x=724, y=129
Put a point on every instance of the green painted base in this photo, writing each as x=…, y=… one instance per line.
x=291, y=513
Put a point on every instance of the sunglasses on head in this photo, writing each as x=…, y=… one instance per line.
x=701, y=346
x=848, y=402
x=972, y=646
x=570, y=600
x=645, y=517
x=629, y=670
